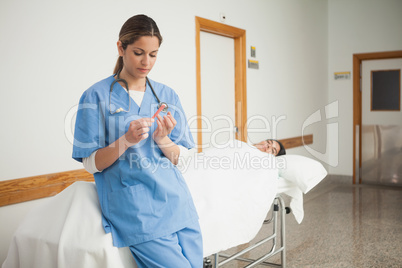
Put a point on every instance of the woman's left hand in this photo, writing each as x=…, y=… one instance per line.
x=165, y=126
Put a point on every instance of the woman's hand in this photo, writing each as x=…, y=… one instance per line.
x=138, y=130
x=165, y=126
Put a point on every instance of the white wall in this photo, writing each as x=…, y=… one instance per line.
x=358, y=26
x=52, y=51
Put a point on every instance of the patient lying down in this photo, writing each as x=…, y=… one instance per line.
x=235, y=154
x=271, y=146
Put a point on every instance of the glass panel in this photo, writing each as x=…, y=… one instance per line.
x=385, y=94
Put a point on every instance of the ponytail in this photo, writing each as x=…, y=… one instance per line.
x=119, y=65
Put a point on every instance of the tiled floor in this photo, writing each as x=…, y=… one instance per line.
x=344, y=225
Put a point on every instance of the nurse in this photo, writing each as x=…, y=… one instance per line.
x=145, y=202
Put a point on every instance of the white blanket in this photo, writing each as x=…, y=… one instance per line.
x=66, y=231
x=232, y=188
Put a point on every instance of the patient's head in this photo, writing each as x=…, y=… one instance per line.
x=271, y=146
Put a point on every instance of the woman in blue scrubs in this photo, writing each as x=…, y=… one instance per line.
x=145, y=202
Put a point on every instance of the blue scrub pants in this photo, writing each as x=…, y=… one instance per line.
x=182, y=249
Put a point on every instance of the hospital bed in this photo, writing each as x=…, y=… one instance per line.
x=233, y=190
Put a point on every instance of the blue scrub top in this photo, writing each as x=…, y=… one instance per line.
x=143, y=196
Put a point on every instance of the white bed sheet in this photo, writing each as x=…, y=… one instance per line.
x=231, y=196
x=232, y=202
x=296, y=197
x=66, y=231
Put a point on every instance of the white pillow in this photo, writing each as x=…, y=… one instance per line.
x=303, y=171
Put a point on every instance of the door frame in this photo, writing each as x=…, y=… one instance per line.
x=357, y=98
x=239, y=36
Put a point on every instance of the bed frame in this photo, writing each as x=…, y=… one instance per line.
x=278, y=239
x=31, y=188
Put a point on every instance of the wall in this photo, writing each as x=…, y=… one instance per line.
x=52, y=51
x=358, y=26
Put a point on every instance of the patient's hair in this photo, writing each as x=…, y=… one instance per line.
x=282, y=150
x=134, y=28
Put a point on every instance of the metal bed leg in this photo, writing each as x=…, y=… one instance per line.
x=283, y=229
x=216, y=260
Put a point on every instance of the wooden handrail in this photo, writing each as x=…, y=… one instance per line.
x=31, y=188
x=297, y=141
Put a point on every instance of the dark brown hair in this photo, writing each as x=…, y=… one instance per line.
x=134, y=28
